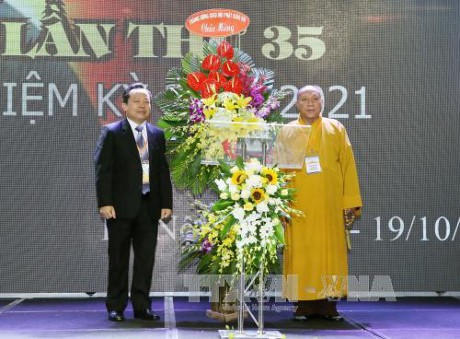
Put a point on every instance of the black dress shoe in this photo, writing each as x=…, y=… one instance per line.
x=116, y=316
x=300, y=318
x=146, y=315
x=337, y=317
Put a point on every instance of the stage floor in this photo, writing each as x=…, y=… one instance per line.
x=184, y=318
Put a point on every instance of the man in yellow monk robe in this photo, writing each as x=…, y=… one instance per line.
x=315, y=255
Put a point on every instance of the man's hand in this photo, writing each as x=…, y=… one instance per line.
x=350, y=215
x=107, y=212
x=166, y=214
x=285, y=222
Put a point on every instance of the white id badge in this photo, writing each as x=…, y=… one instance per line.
x=312, y=164
x=145, y=172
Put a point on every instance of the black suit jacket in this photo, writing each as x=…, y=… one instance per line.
x=119, y=170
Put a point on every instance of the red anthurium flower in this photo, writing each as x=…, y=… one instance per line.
x=195, y=79
x=209, y=87
x=211, y=62
x=225, y=50
x=218, y=77
x=230, y=69
x=233, y=85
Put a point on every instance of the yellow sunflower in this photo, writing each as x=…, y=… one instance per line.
x=258, y=195
x=238, y=177
x=271, y=175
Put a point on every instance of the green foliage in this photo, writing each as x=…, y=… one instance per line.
x=230, y=222
x=190, y=63
x=279, y=233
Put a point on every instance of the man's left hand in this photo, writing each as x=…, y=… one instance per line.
x=166, y=214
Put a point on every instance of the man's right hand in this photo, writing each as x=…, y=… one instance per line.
x=107, y=212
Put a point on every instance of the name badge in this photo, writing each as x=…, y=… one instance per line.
x=145, y=172
x=312, y=164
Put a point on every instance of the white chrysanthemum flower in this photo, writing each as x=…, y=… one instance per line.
x=223, y=195
x=262, y=207
x=245, y=194
x=254, y=181
x=233, y=188
x=271, y=189
x=253, y=165
x=238, y=213
x=221, y=185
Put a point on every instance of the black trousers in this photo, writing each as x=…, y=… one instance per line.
x=140, y=232
x=322, y=307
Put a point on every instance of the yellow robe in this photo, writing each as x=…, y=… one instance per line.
x=315, y=256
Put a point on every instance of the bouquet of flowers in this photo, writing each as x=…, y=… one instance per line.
x=223, y=86
x=245, y=223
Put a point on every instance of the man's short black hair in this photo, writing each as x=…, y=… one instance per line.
x=135, y=85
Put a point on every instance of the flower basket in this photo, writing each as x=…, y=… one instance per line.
x=223, y=85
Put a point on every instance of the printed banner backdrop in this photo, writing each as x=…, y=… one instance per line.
x=390, y=73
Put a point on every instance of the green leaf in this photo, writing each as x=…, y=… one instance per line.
x=244, y=58
x=191, y=63
x=203, y=264
x=276, y=117
x=221, y=205
x=239, y=162
x=188, y=257
x=173, y=76
x=230, y=222
x=279, y=233
x=172, y=100
x=170, y=125
x=225, y=168
x=196, y=166
x=198, y=186
x=210, y=47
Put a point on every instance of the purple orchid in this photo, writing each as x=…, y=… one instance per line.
x=196, y=111
x=206, y=246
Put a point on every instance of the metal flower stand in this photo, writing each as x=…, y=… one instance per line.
x=286, y=144
x=242, y=307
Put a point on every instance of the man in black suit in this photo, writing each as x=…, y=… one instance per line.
x=133, y=191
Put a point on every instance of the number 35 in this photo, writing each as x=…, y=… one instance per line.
x=280, y=48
